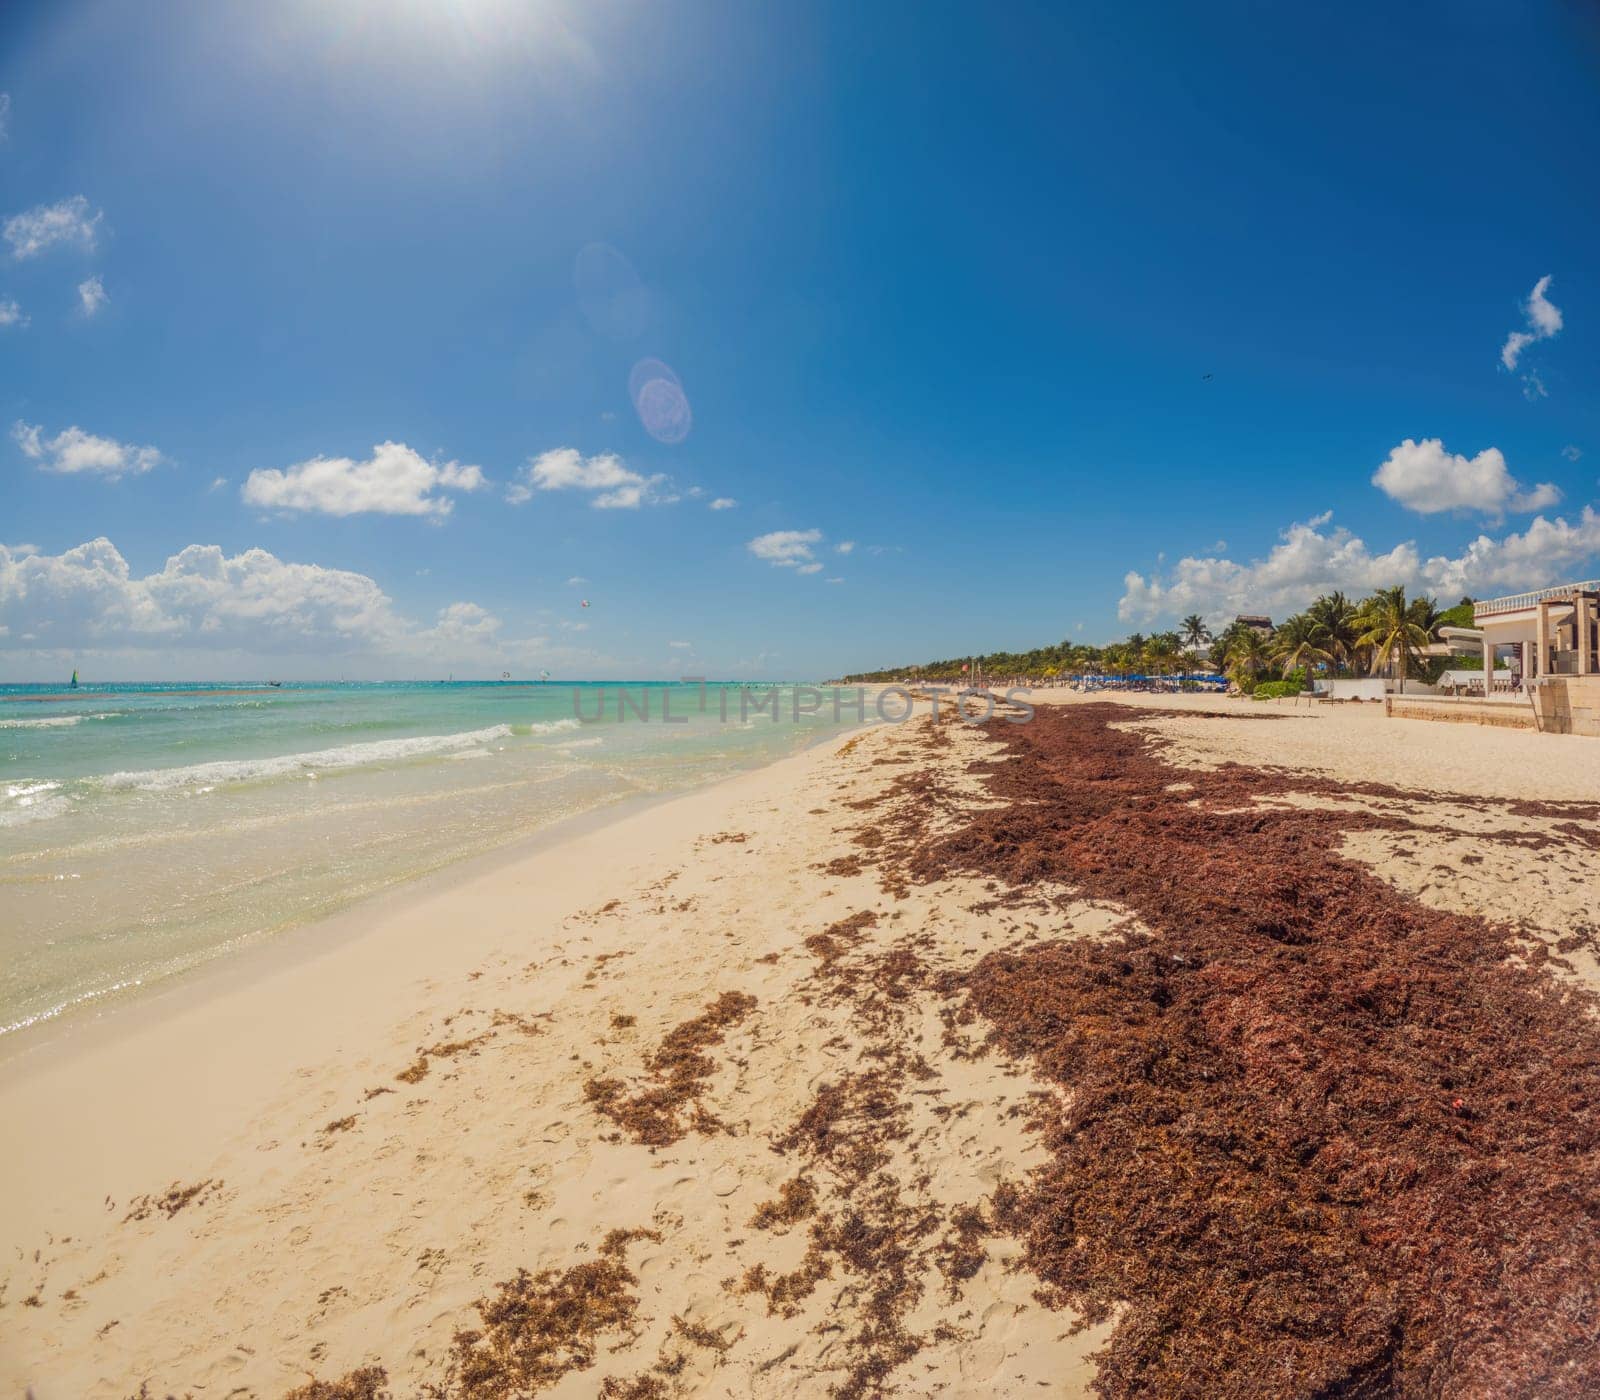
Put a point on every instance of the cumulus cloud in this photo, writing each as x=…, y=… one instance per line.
x=35, y=230
x=11, y=314
x=610, y=482
x=1425, y=478
x=723, y=503
x=845, y=547
x=787, y=549
x=1547, y=552
x=88, y=596
x=394, y=481
x=72, y=450
x=92, y=295
x=250, y=603
x=464, y=622
x=1311, y=558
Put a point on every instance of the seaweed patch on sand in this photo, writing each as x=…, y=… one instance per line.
x=676, y=1076
x=1317, y=1138
x=539, y=1327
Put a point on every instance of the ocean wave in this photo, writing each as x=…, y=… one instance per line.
x=47, y=722
x=549, y=726
x=293, y=765
x=29, y=799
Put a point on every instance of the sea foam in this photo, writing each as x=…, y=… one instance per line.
x=291, y=765
x=45, y=722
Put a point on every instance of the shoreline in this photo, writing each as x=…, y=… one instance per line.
x=385, y=945
x=100, y=1013
x=72, y=1031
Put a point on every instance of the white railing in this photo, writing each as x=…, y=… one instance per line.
x=1518, y=601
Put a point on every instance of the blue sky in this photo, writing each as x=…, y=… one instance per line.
x=943, y=283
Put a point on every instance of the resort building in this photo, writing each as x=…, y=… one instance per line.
x=1549, y=632
x=1553, y=636
x=1256, y=622
x=1541, y=664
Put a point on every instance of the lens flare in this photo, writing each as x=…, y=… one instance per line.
x=660, y=402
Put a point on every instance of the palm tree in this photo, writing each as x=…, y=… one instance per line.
x=1299, y=642
x=1193, y=631
x=1161, y=649
x=1222, y=643
x=1247, y=654
x=1193, y=634
x=1395, y=629
x=1335, y=617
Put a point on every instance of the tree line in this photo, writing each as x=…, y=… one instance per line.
x=1334, y=636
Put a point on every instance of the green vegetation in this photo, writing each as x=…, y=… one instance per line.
x=1332, y=637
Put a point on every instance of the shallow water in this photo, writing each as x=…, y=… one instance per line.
x=146, y=830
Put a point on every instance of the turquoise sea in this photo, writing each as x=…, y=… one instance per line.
x=146, y=830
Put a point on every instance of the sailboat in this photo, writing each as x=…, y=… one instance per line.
x=73, y=683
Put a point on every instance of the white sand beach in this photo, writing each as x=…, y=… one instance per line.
x=322, y=1161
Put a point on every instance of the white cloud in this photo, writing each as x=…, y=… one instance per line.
x=1547, y=552
x=833, y=580
x=73, y=450
x=1310, y=559
x=1425, y=478
x=5, y=116
x=723, y=503
x=11, y=314
x=681, y=646
x=88, y=596
x=35, y=230
x=612, y=484
x=787, y=549
x=206, y=602
x=575, y=580
x=394, y=481
x=845, y=546
x=812, y=568
x=464, y=622
x=92, y=295
x=1544, y=320
x=217, y=483
x=1571, y=453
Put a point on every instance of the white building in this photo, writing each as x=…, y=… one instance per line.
x=1550, y=631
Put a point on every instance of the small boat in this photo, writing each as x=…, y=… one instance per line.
x=73, y=683
x=276, y=685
